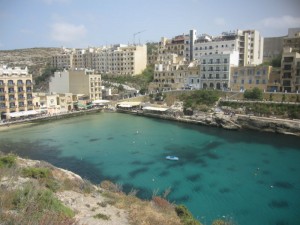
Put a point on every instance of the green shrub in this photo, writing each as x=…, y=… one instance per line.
x=37, y=173
x=186, y=216
x=254, y=94
x=38, y=201
x=101, y=216
x=7, y=160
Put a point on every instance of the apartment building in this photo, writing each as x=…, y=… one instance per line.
x=290, y=71
x=169, y=73
x=216, y=69
x=248, y=43
x=292, y=40
x=272, y=48
x=114, y=60
x=248, y=77
x=251, y=45
x=15, y=90
x=77, y=81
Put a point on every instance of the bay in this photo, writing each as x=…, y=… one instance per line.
x=247, y=177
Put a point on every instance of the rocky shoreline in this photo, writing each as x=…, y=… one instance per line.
x=235, y=122
x=229, y=122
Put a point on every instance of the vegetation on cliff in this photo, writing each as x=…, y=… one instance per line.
x=34, y=192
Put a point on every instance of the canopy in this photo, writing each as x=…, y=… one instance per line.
x=151, y=108
x=100, y=102
x=23, y=113
x=129, y=104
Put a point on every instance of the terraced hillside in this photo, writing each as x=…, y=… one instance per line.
x=35, y=59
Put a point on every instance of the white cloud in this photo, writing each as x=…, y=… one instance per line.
x=67, y=33
x=219, y=21
x=281, y=22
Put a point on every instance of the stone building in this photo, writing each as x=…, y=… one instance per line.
x=15, y=90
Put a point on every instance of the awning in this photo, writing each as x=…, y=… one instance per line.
x=100, y=102
x=23, y=113
x=129, y=104
x=151, y=108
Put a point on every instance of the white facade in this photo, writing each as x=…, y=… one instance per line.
x=248, y=43
x=215, y=69
x=207, y=45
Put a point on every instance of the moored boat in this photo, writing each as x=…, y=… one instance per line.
x=171, y=157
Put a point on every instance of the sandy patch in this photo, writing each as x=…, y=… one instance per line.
x=89, y=205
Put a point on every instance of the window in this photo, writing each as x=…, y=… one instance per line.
x=257, y=81
x=242, y=81
x=250, y=81
x=234, y=81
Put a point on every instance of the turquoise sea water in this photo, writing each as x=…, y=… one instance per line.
x=248, y=177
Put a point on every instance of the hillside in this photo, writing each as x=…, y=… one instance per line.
x=35, y=192
x=35, y=59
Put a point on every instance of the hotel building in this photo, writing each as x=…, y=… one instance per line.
x=15, y=90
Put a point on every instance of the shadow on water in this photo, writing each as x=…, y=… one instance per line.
x=39, y=151
x=189, y=154
x=136, y=172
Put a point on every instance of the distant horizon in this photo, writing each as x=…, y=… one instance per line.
x=77, y=24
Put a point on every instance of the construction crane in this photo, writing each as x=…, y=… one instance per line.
x=137, y=34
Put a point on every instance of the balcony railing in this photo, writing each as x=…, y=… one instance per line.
x=20, y=84
x=10, y=84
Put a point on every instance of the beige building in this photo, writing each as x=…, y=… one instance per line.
x=169, y=73
x=15, y=91
x=115, y=60
x=53, y=103
x=248, y=77
x=292, y=40
x=77, y=81
x=290, y=71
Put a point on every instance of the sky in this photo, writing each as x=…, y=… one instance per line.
x=84, y=23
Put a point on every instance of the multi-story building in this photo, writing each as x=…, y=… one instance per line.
x=169, y=72
x=272, y=48
x=248, y=77
x=248, y=43
x=292, y=40
x=15, y=90
x=115, y=60
x=290, y=70
x=216, y=70
x=251, y=46
x=77, y=81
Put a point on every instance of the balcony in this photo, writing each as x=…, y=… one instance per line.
x=2, y=93
x=2, y=85
x=20, y=84
x=2, y=100
x=286, y=77
x=10, y=84
x=12, y=99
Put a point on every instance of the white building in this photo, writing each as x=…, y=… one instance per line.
x=215, y=70
x=248, y=43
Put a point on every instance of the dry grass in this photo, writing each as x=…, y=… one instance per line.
x=158, y=211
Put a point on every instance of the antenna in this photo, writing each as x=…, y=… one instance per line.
x=137, y=34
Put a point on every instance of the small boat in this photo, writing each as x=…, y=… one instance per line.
x=171, y=157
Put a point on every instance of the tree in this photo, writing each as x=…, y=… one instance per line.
x=120, y=88
x=254, y=94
